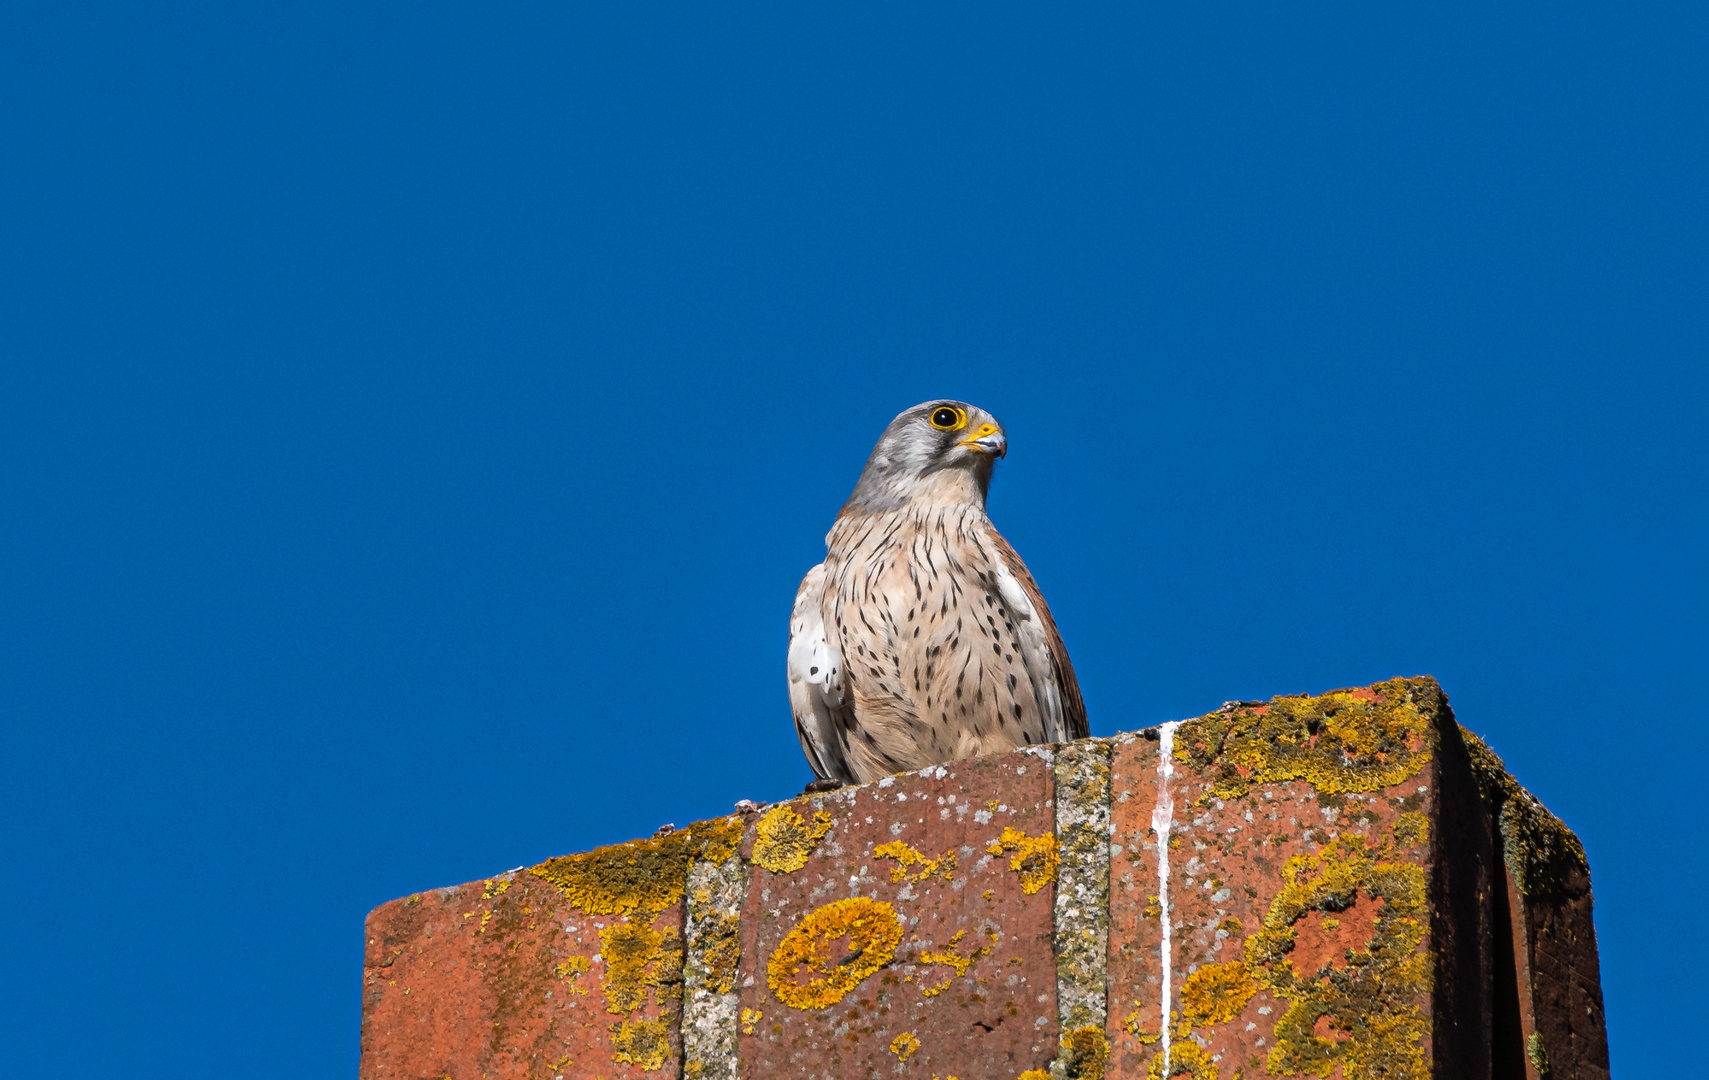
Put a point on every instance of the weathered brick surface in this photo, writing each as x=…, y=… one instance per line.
x=1354, y=888
x=972, y=986
x=496, y=978
x=1342, y=881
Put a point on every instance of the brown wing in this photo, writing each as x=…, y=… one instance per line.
x=1073, y=707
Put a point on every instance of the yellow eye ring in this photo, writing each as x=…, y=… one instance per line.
x=948, y=418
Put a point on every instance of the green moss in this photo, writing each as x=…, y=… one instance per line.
x=1541, y=853
x=641, y=875
x=1344, y=741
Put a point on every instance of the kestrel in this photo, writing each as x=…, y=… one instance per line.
x=922, y=638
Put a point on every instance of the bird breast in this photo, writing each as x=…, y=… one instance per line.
x=932, y=648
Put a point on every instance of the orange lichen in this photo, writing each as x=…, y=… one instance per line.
x=1035, y=857
x=1133, y=1025
x=872, y=933
x=907, y=857
x=783, y=839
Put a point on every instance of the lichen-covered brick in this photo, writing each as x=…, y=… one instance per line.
x=1344, y=884
x=904, y=928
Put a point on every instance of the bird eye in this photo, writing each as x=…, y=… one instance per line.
x=948, y=419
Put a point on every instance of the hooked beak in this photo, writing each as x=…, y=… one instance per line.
x=988, y=439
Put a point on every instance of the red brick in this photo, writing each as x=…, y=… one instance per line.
x=479, y=981
x=996, y=1019
x=1309, y=830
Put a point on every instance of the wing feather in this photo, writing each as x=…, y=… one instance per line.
x=1060, y=704
x=817, y=688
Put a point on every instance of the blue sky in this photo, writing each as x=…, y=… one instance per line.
x=414, y=422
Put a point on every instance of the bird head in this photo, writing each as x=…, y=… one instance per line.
x=941, y=450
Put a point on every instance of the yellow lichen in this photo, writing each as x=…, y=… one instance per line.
x=638, y=958
x=1085, y=1053
x=908, y=857
x=1541, y=853
x=1035, y=857
x=950, y=958
x=1186, y=1058
x=1337, y=742
x=1412, y=829
x=641, y=875
x=641, y=1042
x=572, y=969
x=720, y=948
x=494, y=887
x=1143, y=1035
x=872, y=931
x=783, y=840
x=1215, y=993
x=904, y=1045
x=750, y=1017
x=1372, y=1004
x=1536, y=1054
x=1034, y=1074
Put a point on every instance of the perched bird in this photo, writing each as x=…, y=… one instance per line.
x=922, y=638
